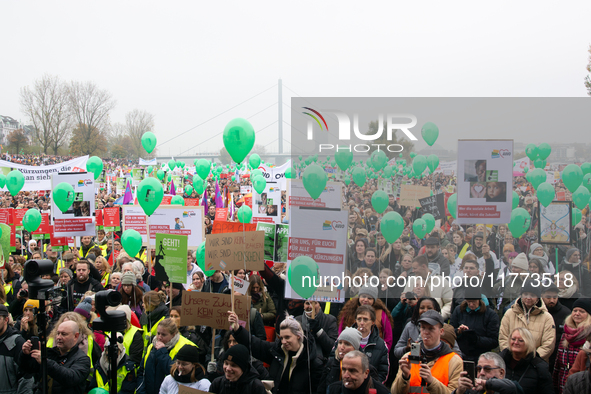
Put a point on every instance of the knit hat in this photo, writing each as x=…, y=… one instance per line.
x=128, y=278
x=449, y=335
x=508, y=247
x=570, y=252
x=67, y=271
x=369, y=291
x=528, y=287
x=584, y=303
x=68, y=256
x=239, y=355
x=190, y=354
x=124, y=308
x=520, y=262
x=549, y=288
x=91, y=257
x=533, y=247
x=351, y=335
x=178, y=286
x=4, y=310
x=84, y=308
x=31, y=304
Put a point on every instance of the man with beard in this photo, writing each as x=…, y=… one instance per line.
x=436, y=259
x=211, y=212
x=80, y=284
x=559, y=313
x=356, y=378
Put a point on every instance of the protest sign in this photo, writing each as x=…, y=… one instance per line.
x=237, y=250
x=485, y=181
x=331, y=197
x=211, y=309
x=269, y=230
x=434, y=205
x=151, y=162
x=111, y=219
x=221, y=214
x=171, y=252
x=18, y=215
x=58, y=244
x=99, y=219
x=267, y=205
x=79, y=219
x=39, y=177
x=275, y=174
x=120, y=185
x=447, y=168
x=555, y=224
x=231, y=227
x=137, y=175
x=281, y=243
x=240, y=285
x=173, y=219
x=191, y=202
x=189, y=390
x=44, y=230
x=245, y=189
x=322, y=235
x=411, y=194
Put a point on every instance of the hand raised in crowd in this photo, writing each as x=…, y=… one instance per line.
x=425, y=373
x=486, y=251
x=464, y=383
x=404, y=364
x=233, y=320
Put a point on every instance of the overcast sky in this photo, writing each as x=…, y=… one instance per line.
x=188, y=61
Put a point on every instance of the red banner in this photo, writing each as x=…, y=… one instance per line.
x=221, y=214
x=58, y=243
x=220, y=227
x=191, y=202
x=166, y=200
x=7, y=217
x=111, y=217
x=17, y=216
x=99, y=217
x=45, y=226
x=67, y=225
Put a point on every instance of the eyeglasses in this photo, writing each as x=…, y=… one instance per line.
x=486, y=368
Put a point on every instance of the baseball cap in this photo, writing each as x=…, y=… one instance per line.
x=432, y=317
x=3, y=310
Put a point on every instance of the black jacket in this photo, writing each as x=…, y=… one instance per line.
x=559, y=313
x=69, y=372
x=129, y=384
x=442, y=262
x=578, y=383
x=76, y=292
x=531, y=373
x=326, y=333
x=483, y=333
x=377, y=353
x=247, y=384
x=582, y=275
x=306, y=373
x=500, y=386
x=11, y=344
x=339, y=387
x=332, y=373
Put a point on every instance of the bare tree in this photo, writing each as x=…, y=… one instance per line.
x=90, y=108
x=137, y=122
x=46, y=105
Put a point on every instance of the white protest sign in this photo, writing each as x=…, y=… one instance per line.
x=39, y=177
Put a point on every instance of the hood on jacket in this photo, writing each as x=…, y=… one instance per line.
x=537, y=309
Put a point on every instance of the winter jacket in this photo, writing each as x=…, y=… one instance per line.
x=442, y=262
x=247, y=384
x=305, y=369
x=582, y=362
x=332, y=373
x=263, y=373
x=369, y=382
x=559, y=313
x=440, y=290
x=581, y=273
x=531, y=373
x=377, y=353
x=538, y=321
x=171, y=386
x=483, y=333
x=68, y=372
x=565, y=359
x=578, y=383
x=266, y=306
x=13, y=380
x=411, y=331
x=326, y=335
x=76, y=292
x=498, y=386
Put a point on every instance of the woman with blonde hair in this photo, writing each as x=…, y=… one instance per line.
x=103, y=267
x=577, y=330
x=155, y=312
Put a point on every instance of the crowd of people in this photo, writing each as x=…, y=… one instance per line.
x=506, y=336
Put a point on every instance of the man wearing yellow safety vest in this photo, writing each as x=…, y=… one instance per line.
x=436, y=369
x=126, y=371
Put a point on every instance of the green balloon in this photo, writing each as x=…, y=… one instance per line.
x=259, y=183
x=539, y=163
x=150, y=169
x=200, y=257
x=98, y=390
x=537, y=177
x=160, y=174
x=430, y=132
x=189, y=190
x=32, y=220
x=171, y=164
x=148, y=142
x=254, y=160
x=452, y=205
x=379, y=160
x=587, y=181
x=168, y=177
x=181, y=164
x=419, y=164
x=2, y=180
x=392, y=226
x=244, y=214
x=544, y=150
x=379, y=201
x=95, y=166
x=198, y=184
x=531, y=150
x=149, y=195
x=359, y=176
x=15, y=181
x=572, y=177
x=419, y=228
x=289, y=174
x=255, y=173
x=412, y=155
x=177, y=200
x=238, y=138
x=581, y=197
x=131, y=241
x=576, y=215
x=314, y=180
x=300, y=269
x=520, y=221
x=525, y=170
x=545, y=193
x=432, y=162
x=430, y=220
x=586, y=168
x=347, y=180
x=63, y=196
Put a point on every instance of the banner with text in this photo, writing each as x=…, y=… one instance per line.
x=39, y=177
x=232, y=251
x=79, y=220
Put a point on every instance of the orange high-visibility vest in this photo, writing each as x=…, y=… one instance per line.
x=439, y=370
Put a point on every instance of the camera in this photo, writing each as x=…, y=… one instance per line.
x=39, y=289
x=23, y=293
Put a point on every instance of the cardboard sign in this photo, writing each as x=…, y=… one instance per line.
x=221, y=227
x=240, y=285
x=434, y=205
x=237, y=250
x=211, y=309
x=221, y=214
x=411, y=194
x=111, y=219
x=189, y=390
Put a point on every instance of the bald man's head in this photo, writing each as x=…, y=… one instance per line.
x=67, y=336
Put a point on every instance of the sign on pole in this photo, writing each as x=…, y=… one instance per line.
x=555, y=224
x=211, y=309
x=233, y=251
x=172, y=252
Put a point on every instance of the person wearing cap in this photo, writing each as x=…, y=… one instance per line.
x=513, y=283
x=577, y=330
x=356, y=376
x=536, y=251
x=433, y=253
x=559, y=313
x=572, y=263
x=67, y=262
x=239, y=376
x=476, y=325
x=11, y=343
x=530, y=312
x=348, y=341
x=126, y=370
x=27, y=324
x=439, y=368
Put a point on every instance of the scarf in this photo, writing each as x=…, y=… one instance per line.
x=543, y=259
x=170, y=344
x=255, y=297
x=432, y=354
x=104, y=360
x=567, y=293
x=575, y=336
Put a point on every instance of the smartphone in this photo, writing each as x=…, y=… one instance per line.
x=35, y=343
x=415, y=353
x=469, y=367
